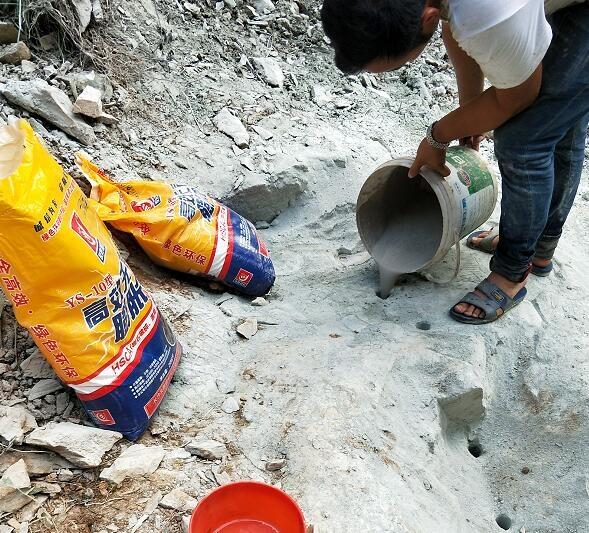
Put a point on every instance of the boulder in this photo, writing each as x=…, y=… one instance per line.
x=43, y=388
x=270, y=70
x=81, y=445
x=231, y=126
x=15, y=423
x=136, y=461
x=50, y=103
x=89, y=103
x=207, y=449
x=15, y=53
x=179, y=501
x=262, y=197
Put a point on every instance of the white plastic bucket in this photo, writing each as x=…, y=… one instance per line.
x=407, y=225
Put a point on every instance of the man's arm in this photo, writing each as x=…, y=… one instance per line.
x=486, y=112
x=469, y=75
x=469, y=78
x=490, y=110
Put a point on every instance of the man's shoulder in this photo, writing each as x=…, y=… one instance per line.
x=471, y=17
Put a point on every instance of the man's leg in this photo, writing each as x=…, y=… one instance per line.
x=568, y=166
x=525, y=147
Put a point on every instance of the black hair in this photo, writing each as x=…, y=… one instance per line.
x=364, y=30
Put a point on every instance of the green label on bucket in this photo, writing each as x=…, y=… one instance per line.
x=469, y=168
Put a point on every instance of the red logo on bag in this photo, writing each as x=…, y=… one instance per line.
x=146, y=205
x=97, y=247
x=103, y=416
x=243, y=277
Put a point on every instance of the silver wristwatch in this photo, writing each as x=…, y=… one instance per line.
x=430, y=138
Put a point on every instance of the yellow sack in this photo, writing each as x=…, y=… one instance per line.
x=87, y=312
x=182, y=229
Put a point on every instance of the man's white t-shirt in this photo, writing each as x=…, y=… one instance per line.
x=507, y=38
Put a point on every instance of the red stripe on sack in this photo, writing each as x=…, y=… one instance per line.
x=130, y=367
x=229, y=255
x=214, y=250
x=154, y=402
x=262, y=248
x=94, y=374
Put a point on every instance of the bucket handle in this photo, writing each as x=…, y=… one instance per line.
x=431, y=278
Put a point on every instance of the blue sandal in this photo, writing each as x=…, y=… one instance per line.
x=493, y=300
x=486, y=245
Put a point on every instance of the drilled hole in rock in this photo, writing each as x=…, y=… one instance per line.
x=423, y=325
x=503, y=521
x=475, y=448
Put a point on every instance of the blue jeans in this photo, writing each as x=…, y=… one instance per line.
x=541, y=150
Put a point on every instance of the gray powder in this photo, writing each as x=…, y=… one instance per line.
x=411, y=236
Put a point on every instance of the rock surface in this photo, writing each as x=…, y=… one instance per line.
x=81, y=445
x=368, y=397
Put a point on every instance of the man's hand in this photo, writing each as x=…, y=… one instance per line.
x=430, y=157
x=474, y=141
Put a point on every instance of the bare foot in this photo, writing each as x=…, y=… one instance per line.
x=508, y=287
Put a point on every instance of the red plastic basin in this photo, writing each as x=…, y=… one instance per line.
x=247, y=507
